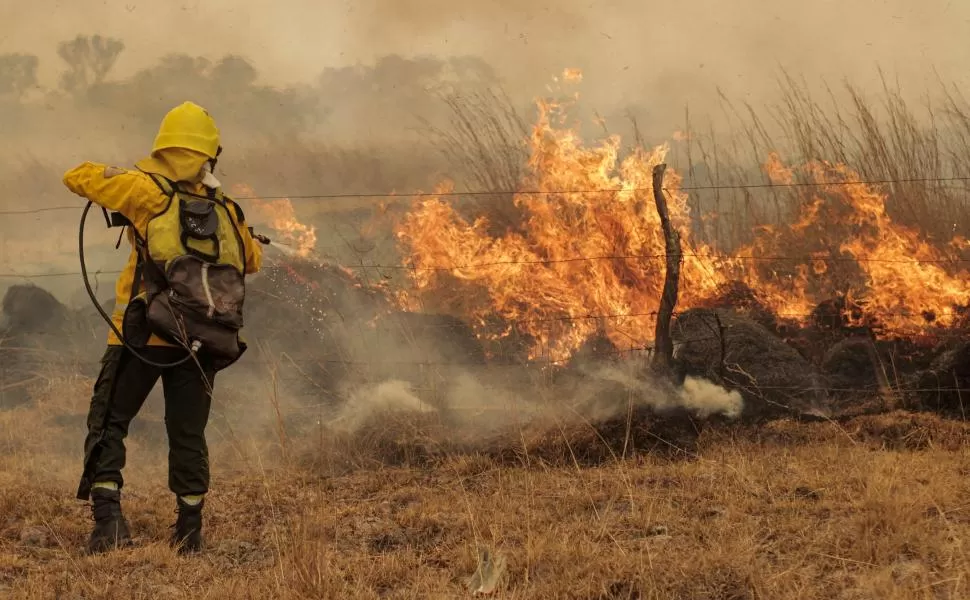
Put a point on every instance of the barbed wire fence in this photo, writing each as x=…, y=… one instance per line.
x=934, y=333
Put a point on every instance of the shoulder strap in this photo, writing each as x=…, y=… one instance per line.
x=240, y=220
x=141, y=244
x=240, y=216
x=167, y=187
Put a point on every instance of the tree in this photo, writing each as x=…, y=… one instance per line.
x=234, y=72
x=89, y=60
x=228, y=87
x=18, y=73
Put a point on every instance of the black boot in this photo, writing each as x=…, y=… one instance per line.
x=188, y=528
x=110, y=528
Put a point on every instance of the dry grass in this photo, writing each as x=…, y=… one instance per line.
x=875, y=508
x=883, y=135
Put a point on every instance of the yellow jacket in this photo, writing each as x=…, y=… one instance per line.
x=138, y=198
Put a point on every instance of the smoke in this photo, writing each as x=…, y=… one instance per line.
x=378, y=401
x=482, y=405
x=655, y=58
x=607, y=390
x=705, y=398
x=370, y=367
x=358, y=72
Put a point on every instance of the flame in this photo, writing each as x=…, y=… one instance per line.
x=572, y=75
x=538, y=277
x=588, y=259
x=585, y=259
x=899, y=278
x=279, y=214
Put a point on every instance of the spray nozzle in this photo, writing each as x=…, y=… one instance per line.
x=262, y=239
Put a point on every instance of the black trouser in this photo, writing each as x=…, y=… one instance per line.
x=121, y=389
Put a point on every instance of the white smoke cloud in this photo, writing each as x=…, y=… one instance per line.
x=705, y=398
x=385, y=399
x=701, y=397
x=485, y=406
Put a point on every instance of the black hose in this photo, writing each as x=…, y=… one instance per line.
x=104, y=315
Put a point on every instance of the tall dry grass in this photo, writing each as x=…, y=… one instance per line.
x=884, y=136
x=484, y=146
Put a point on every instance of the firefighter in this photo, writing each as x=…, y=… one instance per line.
x=190, y=246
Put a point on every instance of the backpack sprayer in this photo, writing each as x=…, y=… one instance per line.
x=117, y=220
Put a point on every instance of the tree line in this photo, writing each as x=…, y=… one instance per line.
x=230, y=85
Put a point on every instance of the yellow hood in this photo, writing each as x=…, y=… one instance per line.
x=175, y=164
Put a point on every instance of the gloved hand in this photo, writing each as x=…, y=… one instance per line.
x=262, y=239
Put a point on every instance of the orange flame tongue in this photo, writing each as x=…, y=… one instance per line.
x=581, y=253
x=858, y=251
x=906, y=285
x=280, y=215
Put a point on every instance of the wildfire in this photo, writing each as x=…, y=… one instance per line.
x=896, y=276
x=588, y=258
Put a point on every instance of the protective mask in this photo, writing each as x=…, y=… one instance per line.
x=208, y=179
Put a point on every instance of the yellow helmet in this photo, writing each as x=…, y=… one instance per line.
x=188, y=126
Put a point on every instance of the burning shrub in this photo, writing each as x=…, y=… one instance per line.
x=587, y=258
x=943, y=386
x=740, y=354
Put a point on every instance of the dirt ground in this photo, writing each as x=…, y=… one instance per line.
x=877, y=507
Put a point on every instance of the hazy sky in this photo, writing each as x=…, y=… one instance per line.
x=631, y=51
x=651, y=56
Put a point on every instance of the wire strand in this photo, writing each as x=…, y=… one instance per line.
x=474, y=193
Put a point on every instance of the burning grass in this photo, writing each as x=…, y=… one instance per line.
x=586, y=256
